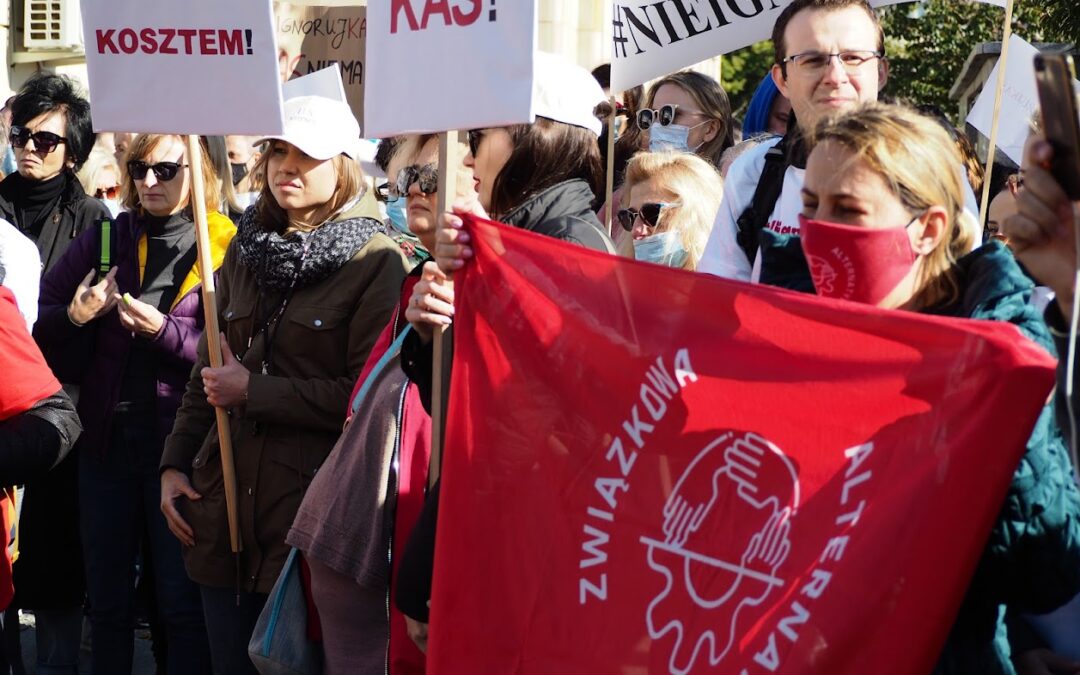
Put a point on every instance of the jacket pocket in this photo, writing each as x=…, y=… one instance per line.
x=318, y=319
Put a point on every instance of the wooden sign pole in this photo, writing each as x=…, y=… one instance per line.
x=209, y=297
x=1006, y=33
x=609, y=188
x=449, y=163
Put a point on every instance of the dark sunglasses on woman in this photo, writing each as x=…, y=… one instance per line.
x=45, y=141
x=475, y=136
x=649, y=213
x=163, y=171
x=427, y=176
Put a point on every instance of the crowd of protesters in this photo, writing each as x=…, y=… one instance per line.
x=331, y=285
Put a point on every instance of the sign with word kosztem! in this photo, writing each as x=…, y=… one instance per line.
x=652, y=38
x=311, y=38
x=192, y=67
x=474, y=57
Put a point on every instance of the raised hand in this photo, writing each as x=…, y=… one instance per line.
x=432, y=303
x=92, y=302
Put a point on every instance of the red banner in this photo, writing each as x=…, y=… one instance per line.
x=654, y=471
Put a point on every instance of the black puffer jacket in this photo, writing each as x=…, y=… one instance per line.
x=74, y=213
x=563, y=211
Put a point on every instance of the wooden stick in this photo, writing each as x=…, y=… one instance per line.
x=449, y=163
x=209, y=296
x=1006, y=33
x=609, y=188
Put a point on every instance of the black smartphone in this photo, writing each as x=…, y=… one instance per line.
x=1054, y=75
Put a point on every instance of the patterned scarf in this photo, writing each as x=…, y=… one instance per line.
x=300, y=259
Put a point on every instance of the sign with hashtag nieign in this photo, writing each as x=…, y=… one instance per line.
x=474, y=57
x=651, y=38
x=192, y=67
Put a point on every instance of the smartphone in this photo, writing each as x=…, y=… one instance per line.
x=1054, y=75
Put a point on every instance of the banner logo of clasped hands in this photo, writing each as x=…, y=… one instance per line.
x=726, y=533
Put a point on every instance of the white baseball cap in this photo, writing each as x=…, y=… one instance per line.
x=321, y=127
x=565, y=92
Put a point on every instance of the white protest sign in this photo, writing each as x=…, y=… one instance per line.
x=1019, y=100
x=474, y=57
x=314, y=37
x=191, y=67
x=326, y=83
x=653, y=38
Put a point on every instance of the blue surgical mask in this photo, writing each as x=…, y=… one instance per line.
x=672, y=137
x=665, y=248
x=395, y=213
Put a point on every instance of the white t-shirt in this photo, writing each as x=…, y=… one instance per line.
x=722, y=255
x=22, y=270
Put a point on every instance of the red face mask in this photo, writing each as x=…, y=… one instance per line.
x=855, y=263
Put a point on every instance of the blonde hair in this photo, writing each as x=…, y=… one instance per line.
x=99, y=160
x=921, y=165
x=141, y=147
x=349, y=187
x=695, y=183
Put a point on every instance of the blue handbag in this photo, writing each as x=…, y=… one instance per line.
x=279, y=645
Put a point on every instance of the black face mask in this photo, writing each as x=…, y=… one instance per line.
x=239, y=172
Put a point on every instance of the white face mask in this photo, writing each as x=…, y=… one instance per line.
x=665, y=248
x=114, y=206
x=672, y=137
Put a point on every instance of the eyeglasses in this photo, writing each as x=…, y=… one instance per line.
x=107, y=193
x=45, y=141
x=383, y=193
x=813, y=63
x=163, y=171
x=649, y=214
x=664, y=116
x=427, y=176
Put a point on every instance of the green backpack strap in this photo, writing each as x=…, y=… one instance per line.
x=105, y=258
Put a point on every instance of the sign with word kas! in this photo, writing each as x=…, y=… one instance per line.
x=311, y=38
x=192, y=67
x=652, y=38
x=474, y=57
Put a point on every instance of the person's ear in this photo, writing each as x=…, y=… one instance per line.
x=779, y=80
x=712, y=130
x=883, y=73
x=934, y=225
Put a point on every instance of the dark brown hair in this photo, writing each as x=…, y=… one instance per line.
x=780, y=27
x=545, y=153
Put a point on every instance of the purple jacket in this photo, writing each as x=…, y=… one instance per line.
x=95, y=355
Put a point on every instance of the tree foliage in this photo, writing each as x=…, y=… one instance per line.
x=927, y=43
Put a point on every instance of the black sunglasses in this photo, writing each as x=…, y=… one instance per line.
x=163, y=171
x=649, y=213
x=384, y=193
x=427, y=176
x=475, y=136
x=46, y=141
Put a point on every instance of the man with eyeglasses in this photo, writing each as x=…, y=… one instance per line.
x=829, y=58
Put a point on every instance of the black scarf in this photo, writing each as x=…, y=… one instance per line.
x=36, y=200
x=299, y=259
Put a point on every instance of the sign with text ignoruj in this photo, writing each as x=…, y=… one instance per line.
x=192, y=67
x=652, y=38
x=1019, y=100
x=475, y=58
x=314, y=37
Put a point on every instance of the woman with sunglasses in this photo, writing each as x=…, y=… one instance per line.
x=100, y=177
x=52, y=135
x=672, y=197
x=304, y=291
x=129, y=340
x=883, y=224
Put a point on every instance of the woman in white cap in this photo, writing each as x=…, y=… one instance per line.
x=305, y=289
x=542, y=177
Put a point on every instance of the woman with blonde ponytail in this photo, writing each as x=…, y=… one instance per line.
x=883, y=223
